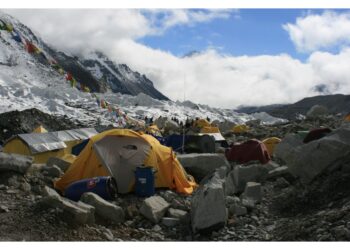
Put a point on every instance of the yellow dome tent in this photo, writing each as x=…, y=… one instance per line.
x=40, y=129
x=209, y=129
x=240, y=128
x=201, y=123
x=42, y=146
x=153, y=130
x=271, y=143
x=118, y=152
x=347, y=118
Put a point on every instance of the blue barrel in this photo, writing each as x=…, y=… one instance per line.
x=144, y=181
x=103, y=186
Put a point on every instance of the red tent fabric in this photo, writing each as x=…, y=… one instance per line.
x=251, y=150
x=30, y=47
x=69, y=77
x=316, y=134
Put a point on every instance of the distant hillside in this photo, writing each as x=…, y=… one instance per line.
x=335, y=103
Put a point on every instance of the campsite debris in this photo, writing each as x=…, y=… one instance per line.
x=208, y=208
x=14, y=162
x=200, y=165
x=154, y=208
x=103, y=208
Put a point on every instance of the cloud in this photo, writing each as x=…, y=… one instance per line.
x=320, y=31
x=171, y=18
x=219, y=80
x=87, y=29
x=76, y=30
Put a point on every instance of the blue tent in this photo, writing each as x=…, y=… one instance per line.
x=192, y=143
x=176, y=142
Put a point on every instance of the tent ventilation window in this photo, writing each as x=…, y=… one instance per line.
x=130, y=147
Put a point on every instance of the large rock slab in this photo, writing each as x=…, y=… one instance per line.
x=208, y=205
x=200, y=165
x=230, y=186
x=103, y=208
x=278, y=172
x=77, y=213
x=154, y=208
x=326, y=154
x=287, y=146
x=15, y=162
x=246, y=173
x=55, y=161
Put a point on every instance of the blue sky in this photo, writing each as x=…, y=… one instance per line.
x=249, y=32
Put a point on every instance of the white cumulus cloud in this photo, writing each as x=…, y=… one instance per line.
x=320, y=31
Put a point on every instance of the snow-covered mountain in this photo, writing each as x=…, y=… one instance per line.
x=29, y=80
x=119, y=77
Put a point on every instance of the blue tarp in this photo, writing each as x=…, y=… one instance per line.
x=16, y=36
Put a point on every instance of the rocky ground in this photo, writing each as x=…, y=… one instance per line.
x=18, y=122
x=287, y=210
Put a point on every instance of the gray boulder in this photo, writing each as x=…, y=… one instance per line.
x=55, y=161
x=238, y=210
x=52, y=171
x=278, y=172
x=230, y=187
x=177, y=213
x=326, y=154
x=170, y=222
x=317, y=111
x=200, y=165
x=246, y=173
x=287, y=146
x=225, y=126
x=154, y=208
x=253, y=192
x=76, y=213
x=103, y=208
x=15, y=162
x=170, y=126
x=208, y=205
x=160, y=122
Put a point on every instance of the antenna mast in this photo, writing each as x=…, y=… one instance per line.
x=183, y=123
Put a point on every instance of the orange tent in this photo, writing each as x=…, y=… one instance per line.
x=118, y=152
